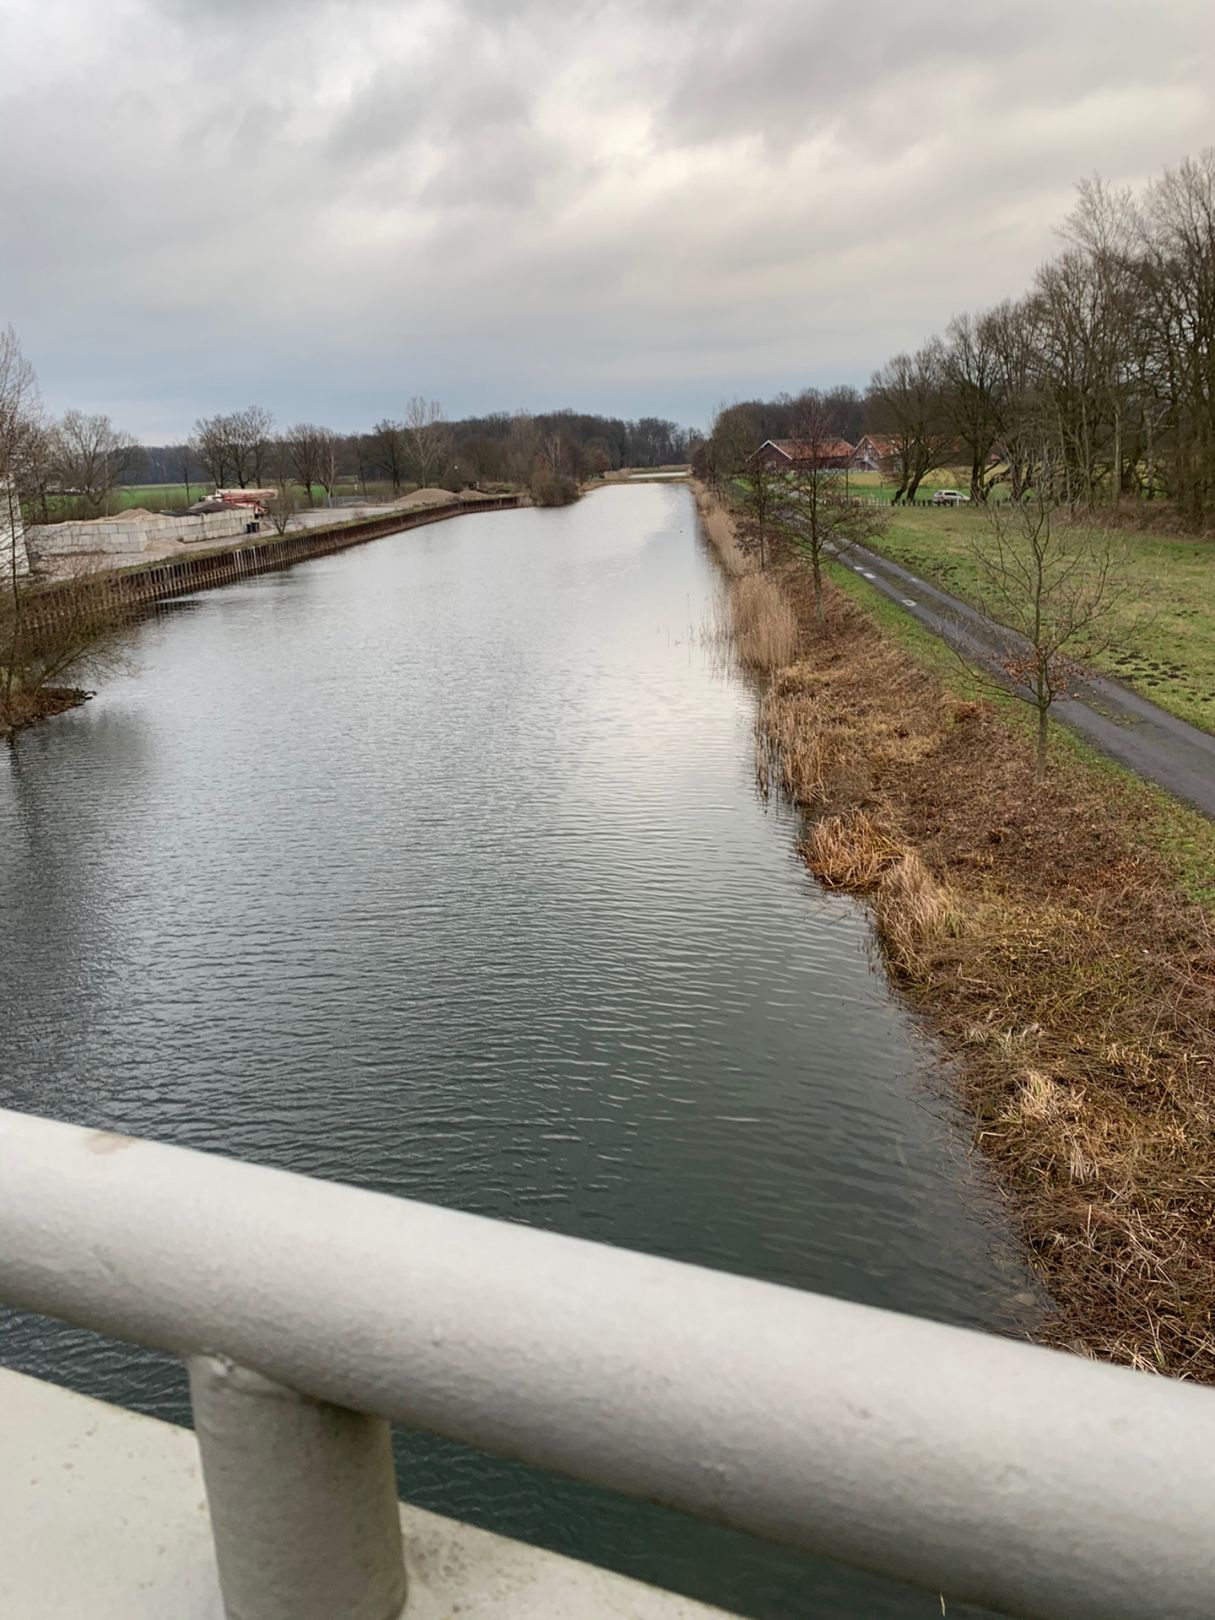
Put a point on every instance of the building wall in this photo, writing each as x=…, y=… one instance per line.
x=118, y=538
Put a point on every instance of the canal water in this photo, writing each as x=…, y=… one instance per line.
x=438, y=867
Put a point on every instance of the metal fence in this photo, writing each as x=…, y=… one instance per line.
x=311, y=1314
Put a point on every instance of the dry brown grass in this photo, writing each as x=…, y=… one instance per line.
x=764, y=624
x=1047, y=950
x=915, y=917
x=719, y=527
x=851, y=852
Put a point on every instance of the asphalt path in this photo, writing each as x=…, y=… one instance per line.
x=1154, y=744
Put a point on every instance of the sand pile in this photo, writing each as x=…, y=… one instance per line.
x=133, y=514
x=426, y=497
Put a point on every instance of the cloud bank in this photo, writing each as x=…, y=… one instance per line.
x=638, y=207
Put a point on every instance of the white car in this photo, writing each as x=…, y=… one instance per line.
x=950, y=497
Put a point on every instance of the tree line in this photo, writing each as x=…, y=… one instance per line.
x=423, y=447
x=1096, y=386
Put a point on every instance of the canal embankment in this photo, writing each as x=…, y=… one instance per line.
x=69, y=624
x=1056, y=936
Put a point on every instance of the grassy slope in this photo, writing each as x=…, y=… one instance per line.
x=1184, y=838
x=1169, y=656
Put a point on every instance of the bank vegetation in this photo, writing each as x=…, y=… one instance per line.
x=1049, y=939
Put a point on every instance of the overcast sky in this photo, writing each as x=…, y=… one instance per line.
x=643, y=207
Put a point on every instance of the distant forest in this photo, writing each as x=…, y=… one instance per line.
x=476, y=449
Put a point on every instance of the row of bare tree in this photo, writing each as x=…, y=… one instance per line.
x=1099, y=382
x=241, y=449
x=79, y=457
x=1096, y=386
x=421, y=447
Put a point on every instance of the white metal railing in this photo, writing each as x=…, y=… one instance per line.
x=310, y=1314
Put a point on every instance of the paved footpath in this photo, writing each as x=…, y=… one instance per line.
x=1138, y=734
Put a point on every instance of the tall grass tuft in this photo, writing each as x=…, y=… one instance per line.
x=914, y=915
x=764, y=623
x=851, y=852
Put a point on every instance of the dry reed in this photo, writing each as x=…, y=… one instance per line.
x=719, y=527
x=764, y=624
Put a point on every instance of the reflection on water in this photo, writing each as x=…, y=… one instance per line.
x=437, y=867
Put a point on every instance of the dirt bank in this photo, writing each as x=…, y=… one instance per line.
x=1052, y=951
x=28, y=708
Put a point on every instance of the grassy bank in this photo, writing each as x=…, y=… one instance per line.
x=1164, y=632
x=1052, y=937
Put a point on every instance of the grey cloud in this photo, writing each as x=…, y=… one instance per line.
x=640, y=207
x=421, y=101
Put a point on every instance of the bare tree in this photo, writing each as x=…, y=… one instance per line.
x=814, y=512
x=553, y=452
x=74, y=635
x=730, y=445
x=283, y=507
x=304, y=446
x=211, y=445
x=522, y=447
x=970, y=375
x=1048, y=592
x=906, y=402
x=250, y=435
x=427, y=437
x=764, y=498
x=1010, y=333
x=328, y=461
x=1177, y=271
x=387, y=449
x=89, y=456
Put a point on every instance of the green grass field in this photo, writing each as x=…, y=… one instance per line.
x=873, y=484
x=165, y=497
x=157, y=497
x=1164, y=641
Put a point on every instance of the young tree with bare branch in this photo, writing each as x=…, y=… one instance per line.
x=814, y=512
x=283, y=506
x=1048, y=592
x=763, y=499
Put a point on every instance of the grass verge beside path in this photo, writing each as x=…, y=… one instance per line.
x=1168, y=830
x=1168, y=657
x=1057, y=938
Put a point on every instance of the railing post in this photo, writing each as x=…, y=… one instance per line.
x=303, y=1500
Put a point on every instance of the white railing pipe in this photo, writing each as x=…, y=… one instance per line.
x=1033, y=1482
